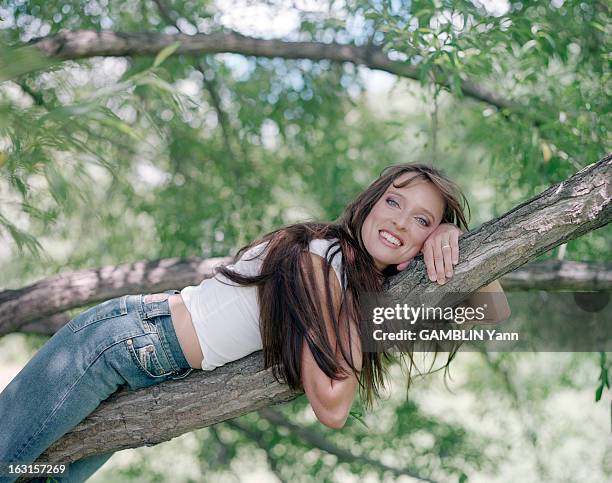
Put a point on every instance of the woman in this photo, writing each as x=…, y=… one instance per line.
x=295, y=293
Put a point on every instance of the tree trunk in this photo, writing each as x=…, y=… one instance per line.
x=149, y=416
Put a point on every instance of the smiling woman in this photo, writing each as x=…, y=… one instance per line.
x=296, y=293
x=308, y=318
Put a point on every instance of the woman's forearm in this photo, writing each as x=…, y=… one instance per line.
x=493, y=298
x=338, y=394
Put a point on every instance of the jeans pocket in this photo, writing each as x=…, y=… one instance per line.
x=106, y=310
x=143, y=350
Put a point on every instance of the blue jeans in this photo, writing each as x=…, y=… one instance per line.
x=121, y=342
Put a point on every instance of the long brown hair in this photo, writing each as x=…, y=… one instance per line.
x=291, y=313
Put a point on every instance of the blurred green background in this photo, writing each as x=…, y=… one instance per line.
x=107, y=160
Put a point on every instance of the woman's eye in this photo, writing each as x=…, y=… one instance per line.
x=392, y=202
x=423, y=221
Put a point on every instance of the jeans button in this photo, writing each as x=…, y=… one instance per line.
x=150, y=348
x=129, y=342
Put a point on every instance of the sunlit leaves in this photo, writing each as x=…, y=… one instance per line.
x=52, y=147
x=115, y=165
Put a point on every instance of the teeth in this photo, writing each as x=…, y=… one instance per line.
x=391, y=238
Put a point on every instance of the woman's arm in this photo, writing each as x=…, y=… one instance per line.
x=331, y=399
x=492, y=297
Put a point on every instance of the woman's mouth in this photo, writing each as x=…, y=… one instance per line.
x=389, y=239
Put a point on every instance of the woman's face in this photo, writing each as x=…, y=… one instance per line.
x=401, y=220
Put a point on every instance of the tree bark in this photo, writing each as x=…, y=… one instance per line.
x=149, y=416
x=54, y=295
x=87, y=43
x=20, y=310
x=145, y=417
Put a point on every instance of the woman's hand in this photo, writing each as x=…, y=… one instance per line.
x=440, y=252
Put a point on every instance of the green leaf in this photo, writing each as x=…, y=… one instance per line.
x=423, y=12
x=599, y=392
x=18, y=183
x=359, y=418
x=21, y=238
x=120, y=126
x=165, y=53
x=15, y=62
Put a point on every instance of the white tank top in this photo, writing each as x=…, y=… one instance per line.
x=226, y=317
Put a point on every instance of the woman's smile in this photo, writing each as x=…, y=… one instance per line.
x=390, y=239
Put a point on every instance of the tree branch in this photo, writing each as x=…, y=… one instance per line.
x=57, y=294
x=562, y=212
x=321, y=442
x=36, y=97
x=202, y=399
x=165, y=14
x=86, y=43
x=551, y=275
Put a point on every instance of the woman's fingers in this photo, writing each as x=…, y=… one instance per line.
x=454, y=242
x=439, y=262
x=428, y=258
x=448, y=260
x=441, y=253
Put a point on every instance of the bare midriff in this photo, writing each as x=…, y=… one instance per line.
x=185, y=332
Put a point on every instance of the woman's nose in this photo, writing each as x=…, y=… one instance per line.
x=401, y=222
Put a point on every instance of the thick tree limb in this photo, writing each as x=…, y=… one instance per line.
x=130, y=419
x=86, y=43
x=20, y=309
x=57, y=294
x=149, y=416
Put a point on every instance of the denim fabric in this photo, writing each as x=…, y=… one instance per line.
x=121, y=342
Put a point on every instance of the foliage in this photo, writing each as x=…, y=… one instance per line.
x=220, y=153
x=603, y=377
x=107, y=160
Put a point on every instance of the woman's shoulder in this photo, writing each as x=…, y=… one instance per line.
x=249, y=263
x=320, y=246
